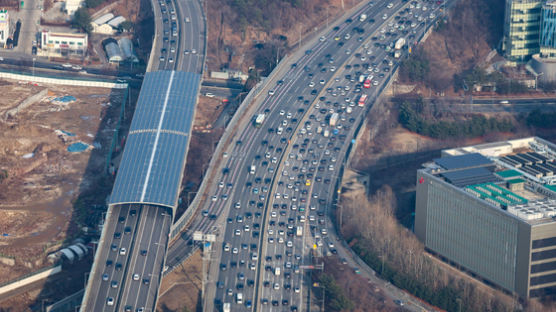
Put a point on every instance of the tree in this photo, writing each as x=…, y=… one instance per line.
x=125, y=26
x=82, y=19
x=93, y=3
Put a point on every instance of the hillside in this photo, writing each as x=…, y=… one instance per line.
x=471, y=30
x=247, y=33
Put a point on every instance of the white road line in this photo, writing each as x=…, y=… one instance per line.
x=146, y=183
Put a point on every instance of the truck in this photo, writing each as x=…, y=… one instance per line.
x=259, y=120
x=362, y=100
x=319, y=129
x=362, y=17
x=252, y=169
x=239, y=298
x=299, y=231
x=277, y=271
x=226, y=307
x=334, y=119
x=399, y=44
x=326, y=133
x=361, y=78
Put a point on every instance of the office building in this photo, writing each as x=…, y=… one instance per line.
x=491, y=209
x=63, y=44
x=548, y=30
x=521, y=29
x=4, y=26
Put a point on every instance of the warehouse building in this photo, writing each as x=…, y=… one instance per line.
x=491, y=209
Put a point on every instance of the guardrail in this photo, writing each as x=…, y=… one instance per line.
x=30, y=278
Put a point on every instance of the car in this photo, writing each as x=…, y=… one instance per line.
x=135, y=277
x=146, y=281
x=114, y=284
x=122, y=251
x=110, y=301
x=117, y=235
x=271, y=92
x=118, y=267
x=105, y=277
x=193, y=51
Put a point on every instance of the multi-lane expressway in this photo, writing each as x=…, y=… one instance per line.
x=129, y=262
x=295, y=164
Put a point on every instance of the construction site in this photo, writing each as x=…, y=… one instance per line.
x=54, y=143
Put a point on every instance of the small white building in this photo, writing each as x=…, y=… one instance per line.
x=73, y=5
x=4, y=26
x=116, y=21
x=104, y=29
x=113, y=52
x=63, y=44
x=104, y=19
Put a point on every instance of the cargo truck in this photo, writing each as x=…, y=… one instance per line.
x=299, y=231
x=399, y=44
x=226, y=307
x=334, y=119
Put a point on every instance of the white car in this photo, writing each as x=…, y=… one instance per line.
x=135, y=277
x=271, y=92
x=235, y=250
x=110, y=301
x=311, y=84
x=282, y=112
x=238, y=232
x=274, y=214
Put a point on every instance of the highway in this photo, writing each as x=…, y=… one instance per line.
x=130, y=258
x=296, y=166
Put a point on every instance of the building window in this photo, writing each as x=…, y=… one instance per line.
x=80, y=43
x=545, y=279
x=50, y=41
x=543, y=267
x=57, y=42
x=545, y=242
x=541, y=255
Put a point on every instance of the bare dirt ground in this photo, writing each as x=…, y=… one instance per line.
x=43, y=177
x=228, y=47
x=181, y=289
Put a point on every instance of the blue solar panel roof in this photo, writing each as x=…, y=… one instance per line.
x=470, y=176
x=463, y=161
x=154, y=156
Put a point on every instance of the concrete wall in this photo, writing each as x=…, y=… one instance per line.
x=40, y=275
x=68, y=82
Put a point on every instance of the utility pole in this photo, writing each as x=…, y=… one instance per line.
x=207, y=240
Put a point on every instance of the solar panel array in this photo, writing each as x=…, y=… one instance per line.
x=154, y=156
x=463, y=161
x=465, y=177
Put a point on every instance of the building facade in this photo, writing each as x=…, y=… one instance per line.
x=548, y=30
x=63, y=44
x=491, y=209
x=521, y=29
x=4, y=26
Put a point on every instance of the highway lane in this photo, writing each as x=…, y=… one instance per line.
x=290, y=99
x=193, y=38
x=240, y=158
x=278, y=250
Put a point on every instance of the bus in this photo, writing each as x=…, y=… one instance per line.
x=362, y=100
x=259, y=120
